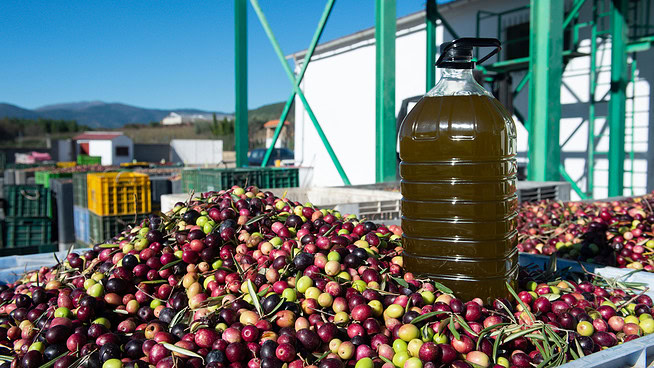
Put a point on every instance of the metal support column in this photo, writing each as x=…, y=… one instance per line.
x=386, y=137
x=592, y=87
x=618, y=96
x=241, y=85
x=430, y=24
x=546, y=65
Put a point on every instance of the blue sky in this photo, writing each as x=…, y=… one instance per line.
x=158, y=54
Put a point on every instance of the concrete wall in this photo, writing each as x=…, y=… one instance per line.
x=340, y=86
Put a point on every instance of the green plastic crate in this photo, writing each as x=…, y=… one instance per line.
x=204, y=180
x=89, y=160
x=80, y=196
x=23, y=166
x=190, y=180
x=24, y=231
x=32, y=249
x=28, y=200
x=43, y=177
x=102, y=228
x=281, y=177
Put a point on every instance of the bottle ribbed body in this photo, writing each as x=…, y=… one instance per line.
x=459, y=205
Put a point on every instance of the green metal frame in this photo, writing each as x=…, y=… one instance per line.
x=430, y=33
x=385, y=28
x=546, y=64
x=592, y=88
x=619, y=77
x=307, y=58
x=241, y=82
x=630, y=27
x=298, y=91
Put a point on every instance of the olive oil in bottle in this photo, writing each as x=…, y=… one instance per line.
x=458, y=170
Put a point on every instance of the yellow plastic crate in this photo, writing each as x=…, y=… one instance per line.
x=122, y=193
x=135, y=164
x=64, y=164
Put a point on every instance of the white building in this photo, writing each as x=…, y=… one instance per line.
x=339, y=84
x=172, y=119
x=115, y=148
x=176, y=119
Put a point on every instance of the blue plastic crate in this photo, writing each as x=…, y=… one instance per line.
x=81, y=218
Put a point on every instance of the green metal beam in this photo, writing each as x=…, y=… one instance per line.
x=592, y=88
x=386, y=137
x=430, y=23
x=574, y=13
x=546, y=64
x=573, y=184
x=618, y=97
x=241, y=85
x=307, y=58
x=296, y=88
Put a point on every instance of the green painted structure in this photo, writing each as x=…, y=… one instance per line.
x=628, y=29
x=385, y=28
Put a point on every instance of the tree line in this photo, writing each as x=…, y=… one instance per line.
x=12, y=128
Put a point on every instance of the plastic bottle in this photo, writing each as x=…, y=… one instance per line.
x=458, y=170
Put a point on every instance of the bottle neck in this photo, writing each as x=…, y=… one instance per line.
x=457, y=82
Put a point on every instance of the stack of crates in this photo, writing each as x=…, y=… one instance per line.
x=80, y=210
x=114, y=200
x=28, y=225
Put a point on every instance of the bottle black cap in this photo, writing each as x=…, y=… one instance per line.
x=457, y=54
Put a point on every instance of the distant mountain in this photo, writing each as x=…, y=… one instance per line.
x=98, y=114
x=14, y=111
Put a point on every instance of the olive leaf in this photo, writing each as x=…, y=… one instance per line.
x=255, y=298
x=328, y=232
x=255, y=219
x=425, y=316
x=386, y=360
x=53, y=361
x=153, y=282
x=178, y=317
x=442, y=288
x=453, y=330
x=169, y=265
x=182, y=351
x=400, y=281
x=108, y=246
x=322, y=357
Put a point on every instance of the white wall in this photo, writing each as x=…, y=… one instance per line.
x=103, y=149
x=341, y=93
x=197, y=151
x=107, y=150
x=340, y=87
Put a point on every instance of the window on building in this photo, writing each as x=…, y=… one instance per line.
x=122, y=151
